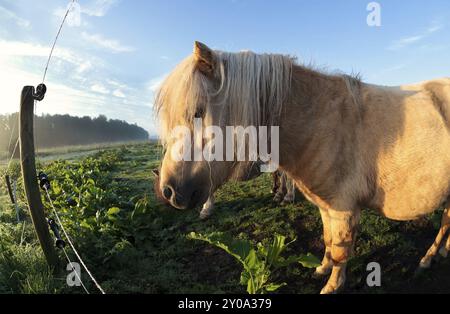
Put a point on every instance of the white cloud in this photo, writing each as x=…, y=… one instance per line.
x=98, y=8
x=95, y=8
x=9, y=15
x=403, y=42
x=74, y=18
x=155, y=83
x=76, y=101
x=117, y=84
x=16, y=48
x=112, y=45
x=59, y=98
x=409, y=40
x=119, y=93
x=76, y=84
x=434, y=28
x=99, y=88
x=23, y=50
x=83, y=67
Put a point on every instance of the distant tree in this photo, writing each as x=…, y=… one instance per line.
x=64, y=130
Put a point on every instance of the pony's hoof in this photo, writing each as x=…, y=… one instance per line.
x=277, y=199
x=443, y=252
x=321, y=272
x=425, y=263
x=328, y=289
x=334, y=286
x=205, y=215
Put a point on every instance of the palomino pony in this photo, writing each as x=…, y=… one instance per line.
x=346, y=144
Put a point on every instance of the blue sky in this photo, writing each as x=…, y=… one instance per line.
x=112, y=61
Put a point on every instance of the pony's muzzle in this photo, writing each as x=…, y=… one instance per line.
x=181, y=198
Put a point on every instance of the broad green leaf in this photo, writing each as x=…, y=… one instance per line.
x=309, y=261
x=251, y=289
x=241, y=248
x=273, y=286
x=275, y=249
x=252, y=260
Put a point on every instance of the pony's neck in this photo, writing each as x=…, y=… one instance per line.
x=317, y=107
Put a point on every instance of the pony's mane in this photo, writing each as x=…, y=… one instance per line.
x=250, y=89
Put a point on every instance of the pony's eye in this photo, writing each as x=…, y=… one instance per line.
x=199, y=113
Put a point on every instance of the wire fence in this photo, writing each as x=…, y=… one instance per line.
x=11, y=157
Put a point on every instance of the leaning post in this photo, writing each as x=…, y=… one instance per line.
x=27, y=160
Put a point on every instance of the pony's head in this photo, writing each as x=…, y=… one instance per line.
x=204, y=94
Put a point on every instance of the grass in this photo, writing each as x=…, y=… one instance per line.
x=22, y=264
x=67, y=152
x=145, y=249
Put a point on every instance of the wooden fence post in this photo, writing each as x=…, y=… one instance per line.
x=29, y=174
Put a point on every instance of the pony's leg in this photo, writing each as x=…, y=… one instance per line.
x=445, y=248
x=276, y=181
x=432, y=251
x=343, y=234
x=278, y=198
x=207, y=208
x=281, y=192
x=290, y=192
x=327, y=263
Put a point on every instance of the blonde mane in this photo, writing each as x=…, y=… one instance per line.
x=249, y=89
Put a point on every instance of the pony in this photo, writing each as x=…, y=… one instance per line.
x=348, y=145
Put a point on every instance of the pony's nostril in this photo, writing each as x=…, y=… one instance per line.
x=194, y=195
x=167, y=192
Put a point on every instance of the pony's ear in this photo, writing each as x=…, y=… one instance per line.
x=204, y=56
x=155, y=172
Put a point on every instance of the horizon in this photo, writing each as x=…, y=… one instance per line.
x=113, y=58
x=43, y=114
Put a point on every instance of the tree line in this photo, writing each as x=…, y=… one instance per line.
x=65, y=130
